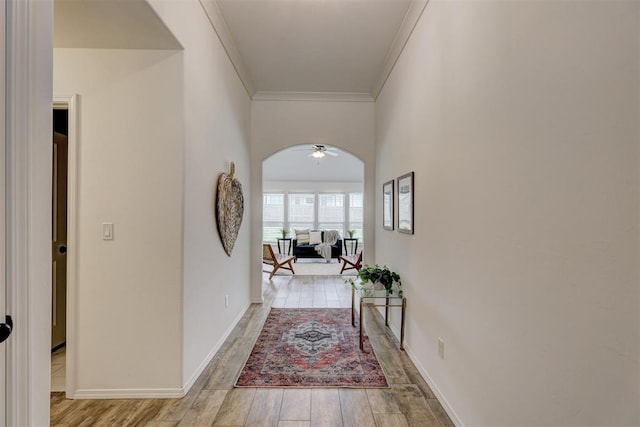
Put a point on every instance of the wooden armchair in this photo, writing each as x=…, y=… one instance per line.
x=352, y=261
x=277, y=260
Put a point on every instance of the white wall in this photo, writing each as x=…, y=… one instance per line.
x=520, y=120
x=276, y=125
x=216, y=131
x=318, y=186
x=129, y=290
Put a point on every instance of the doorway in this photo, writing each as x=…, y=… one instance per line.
x=63, y=201
x=59, y=246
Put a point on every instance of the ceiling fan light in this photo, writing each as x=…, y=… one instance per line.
x=318, y=154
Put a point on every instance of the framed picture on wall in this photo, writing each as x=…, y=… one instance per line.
x=387, y=205
x=405, y=203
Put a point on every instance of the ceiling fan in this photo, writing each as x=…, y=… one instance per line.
x=319, y=151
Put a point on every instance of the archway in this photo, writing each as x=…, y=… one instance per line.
x=313, y=187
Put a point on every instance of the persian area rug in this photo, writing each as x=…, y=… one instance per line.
x=311, y=347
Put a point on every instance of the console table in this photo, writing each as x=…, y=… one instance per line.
x=377, y=298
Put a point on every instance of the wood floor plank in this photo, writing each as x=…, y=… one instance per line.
x=161, y=424
x=294, y=424
x=390, y=420
x=204, y=409
x=254, y=323
x=235, y=408
x=356, y=411
x=145, y=411
x=71, y=414
x=296, y=405
x=389, y=359
x=325, y=408
x=175, y=409
x=440, y=413
x=414, y=376
x=383, y=401
x=414, y=405
x=94, y=411
x=228, y=369
x=113, y=411
x=60, y=409
x=371, y=324
x=265, y=410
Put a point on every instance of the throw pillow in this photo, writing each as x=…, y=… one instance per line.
x=302, y=236
x=315, y=237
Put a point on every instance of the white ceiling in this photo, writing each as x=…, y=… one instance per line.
x=109, y=24
x=280, y=48
x=313, y=46
x=294, y=164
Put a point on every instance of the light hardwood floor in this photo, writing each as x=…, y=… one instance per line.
x=214, y=401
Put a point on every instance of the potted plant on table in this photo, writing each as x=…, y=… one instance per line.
x=284, y=232
x=351, y=233
x=379, y=277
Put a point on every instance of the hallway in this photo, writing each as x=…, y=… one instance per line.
x=213, y=400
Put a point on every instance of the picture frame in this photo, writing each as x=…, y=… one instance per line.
x=387, y=204
x=405, y=203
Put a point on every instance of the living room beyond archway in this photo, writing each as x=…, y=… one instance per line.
x=318, y=189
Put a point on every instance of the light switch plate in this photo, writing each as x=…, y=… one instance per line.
x=107, y=231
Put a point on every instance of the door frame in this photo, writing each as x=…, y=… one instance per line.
x=70, y=103
x=3, y=218
x=29, y=85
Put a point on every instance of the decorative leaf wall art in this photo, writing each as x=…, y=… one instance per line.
x=229, y=208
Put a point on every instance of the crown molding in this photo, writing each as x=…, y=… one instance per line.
x=313, y=96
x=219, y=25
x=411, y=18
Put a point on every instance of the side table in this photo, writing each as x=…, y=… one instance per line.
x=284, y=245
x=372, y=295
x=353, y=245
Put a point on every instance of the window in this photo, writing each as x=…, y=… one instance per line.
x=273, y=216
x=315, y=211
x=356, y=214
x=301, y=210
x=331, y=212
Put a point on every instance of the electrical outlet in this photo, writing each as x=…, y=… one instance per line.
x=440, y=348
x=226, y=300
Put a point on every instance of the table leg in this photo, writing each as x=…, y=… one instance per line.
x=353, y=307
x=404, y=308
x=386, y=313
x=361, y=322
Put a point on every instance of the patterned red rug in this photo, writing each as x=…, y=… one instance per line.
x=311, y=347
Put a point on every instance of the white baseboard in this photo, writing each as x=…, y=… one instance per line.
x=194, y=377
x=455, y=419
x=132, y=393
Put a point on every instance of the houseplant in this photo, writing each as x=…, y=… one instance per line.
x=351, y=233
x=284, y=232
x=378, y=276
